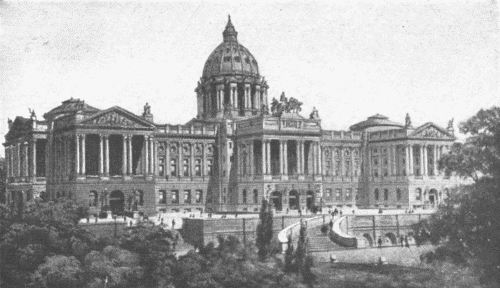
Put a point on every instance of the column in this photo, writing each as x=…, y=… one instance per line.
x=248, y=104
x=145, y=165
x=282, y=161
x=167, y=158
x=180, y=161
x=191, y=159
x=264, y=157
x=434, y=160
x=18, y=158
x=342, y=162
x=302, y=157
x=332, y=158
x=203, y=159
x=154, y=156
x=408, y=160
x=26, y=161
x=257, y=99
x=77, y=154
x=129, y=160
x=233, y=95
x=106, y=154
x=320, y=159
x=285, y=156
x=33, y=158
x=268, y=156
x=124, y=156
x=426, y=161
x=297, y=153
x=101, y=155
x=220, y=97
x=395, y=171
x=353, y=167
x=7, y=161
x=83, y=154
x=370, y=161
x=421, y=150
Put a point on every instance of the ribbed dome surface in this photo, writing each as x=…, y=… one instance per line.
x=230, y=57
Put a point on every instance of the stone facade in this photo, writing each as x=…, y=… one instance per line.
x=238, y=150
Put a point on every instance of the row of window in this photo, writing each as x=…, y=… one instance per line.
x=186, y=168
x=386, y=194
x=186, y=197
x=340, y=195
x=255, y=196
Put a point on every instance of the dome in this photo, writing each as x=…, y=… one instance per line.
x=376, y=123
x=230, y=57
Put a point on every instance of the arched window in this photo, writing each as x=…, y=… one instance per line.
x=418, y=194
x=386, y=194
x=377, y=196
x=244, y=196
x=93, y=198
x=255, y=196
x=398, y=194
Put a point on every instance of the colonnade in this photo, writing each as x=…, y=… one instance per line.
x=21, y=160
x=80, y=157
x=210, y=101
x=247, y=163
x=402, y=159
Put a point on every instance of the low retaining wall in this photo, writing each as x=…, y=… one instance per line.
x=338, y=235
x=200, y=232
x=105, y=229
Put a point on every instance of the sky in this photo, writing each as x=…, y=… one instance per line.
x=435, y=60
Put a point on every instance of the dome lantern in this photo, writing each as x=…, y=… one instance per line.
x=230, y=34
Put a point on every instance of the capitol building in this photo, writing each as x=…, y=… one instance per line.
x=241, y=147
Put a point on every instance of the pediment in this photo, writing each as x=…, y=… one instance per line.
x=116, y=117
x=431, y=130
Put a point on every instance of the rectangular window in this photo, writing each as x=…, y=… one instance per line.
x=161, y=167
x=175, y=196
x=357, y=194
x=337, y=168
x=329, y=193
x=173, y=167
x=209, y=167
x=199, y=196
x=338, y=194
x=197, y=167
x=187, y=196
x=185, y=167
x=163, y=197
x=348, y=194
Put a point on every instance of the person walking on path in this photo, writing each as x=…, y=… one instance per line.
x=402, y=241
x=173, y=223
x=331, y=224
x=407, y=244
x=380, y=242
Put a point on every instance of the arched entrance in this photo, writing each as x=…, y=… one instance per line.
x=392, y=238
x=310, y=199
x=276, y=200
x=116, y=201
x=294, y=200
x=433, y=197
x=368, y=239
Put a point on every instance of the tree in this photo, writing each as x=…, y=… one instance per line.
x=59, y=272
x=265, y=230
x=467, y=225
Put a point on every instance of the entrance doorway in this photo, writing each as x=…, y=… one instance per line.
x=433, y=197
x=116, y=201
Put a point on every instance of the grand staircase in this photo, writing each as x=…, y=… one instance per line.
x=321, y=243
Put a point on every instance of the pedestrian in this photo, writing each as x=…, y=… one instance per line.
x=236, y=215
x=300, y=212
x=380, y=242
x=287, y=210
x=407, y=244
x=331, y=224
x=161, y=221
x=402, y=241
x=173, y=223
x=353, y=212
x=340, y=213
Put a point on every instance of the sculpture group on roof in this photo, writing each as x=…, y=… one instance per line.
x=285, y=105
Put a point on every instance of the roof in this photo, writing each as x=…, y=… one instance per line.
x=375, y=121
x=69, y=106
x=230, y=57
